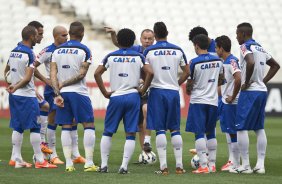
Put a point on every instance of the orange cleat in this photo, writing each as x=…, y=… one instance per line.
x=79, y=160
x=227, y=166
x=45, y=148
x=44, y=164
x=212, y=169
x=193, y=151
x=201, y=170
x=12, y=163
x=56, y=161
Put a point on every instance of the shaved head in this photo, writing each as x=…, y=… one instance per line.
x=246, y=28
x=76, y=30
x=58, y=29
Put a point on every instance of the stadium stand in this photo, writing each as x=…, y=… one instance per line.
x=217, y=16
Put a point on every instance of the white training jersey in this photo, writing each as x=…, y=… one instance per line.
x=165, y=58
x=21, y=58
x=231, y=66
x=69, y=58
x=205, y=70
x=125, y=68
x=260, y=58
x=44, y=57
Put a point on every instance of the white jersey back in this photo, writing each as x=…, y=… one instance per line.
x=69, y=58
x=125, y=67
x=205, y=70
x=165, y=58
x=44, y=57
x=20, y=58
x=260, y=58
x=231, y=66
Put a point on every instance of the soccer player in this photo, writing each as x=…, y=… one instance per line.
x=69, y=65
x=60, y=35
x=202, y=115
x=22, y=99
x=230, y=93
x=164, y=100
x=252, y=98
x=125, y=65
x=147, y=39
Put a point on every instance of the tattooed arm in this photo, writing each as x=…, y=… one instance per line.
x=59, y=101
x=82, y=73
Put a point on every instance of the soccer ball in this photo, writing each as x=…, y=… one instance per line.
x=147, y=157
x=195, y=162
x=8, y=77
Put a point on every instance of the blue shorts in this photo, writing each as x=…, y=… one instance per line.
x=126, y=107
x=228, y=118
x=77, y=107
x=201, y=118
x=251, y=110
x=49, y=96
x=41, y=103
x=163, y=110
x=24, y=112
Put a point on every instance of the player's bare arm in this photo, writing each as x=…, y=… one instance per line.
x=274, y=67
x=189, y=86
x=149, y=75
x=237, y=86
x=113, y=35
x=249, y=70
x=38, y=75
x=221, y=79
x=59, y=101
x=23, y=82
x=82, y=73
x=184, y=75
x=98, y=77
x=7, y=68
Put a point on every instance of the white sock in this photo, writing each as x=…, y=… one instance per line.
x=261, y=147
x=243, y=143
x=236, y=154
x=43, y=122
x=177, y=144
x=17, y=139
x=51, y=138
x=89, y=143
x=161, y=143
x=66, y=144
x=129, y=147
x=105, y=147
x=201, y=147
x=228, y=140
x=147, y=139
x=212, y=145
x=35, y=142
x=75, y=150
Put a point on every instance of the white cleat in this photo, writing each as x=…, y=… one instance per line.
x=241, y=169
x=259, y=170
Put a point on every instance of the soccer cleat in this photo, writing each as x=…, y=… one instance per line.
x=122, y=171
x=180, y=170
x=70, y=169
x=241, y=169
x=212, y=169
x=163, y=172
x=201, y=170
x=44, y=164
x=259, y=170
x=56, y=161
x=79, y=160
x=45, y=148
x=22, y=164
x=227, y=166
x=103, y=170
x=147, y=147
x=193, y=151
x=12, y=163
x=92, y=168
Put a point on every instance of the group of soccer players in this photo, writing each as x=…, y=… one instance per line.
x=144, y=80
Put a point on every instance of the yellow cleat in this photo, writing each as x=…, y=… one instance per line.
x=79, y=160
x=92, y=168
x=70, y=169
x=56, y=161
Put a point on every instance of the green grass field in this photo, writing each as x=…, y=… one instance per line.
x=141, y=173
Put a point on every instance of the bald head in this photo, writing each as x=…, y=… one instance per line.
x=60, y=35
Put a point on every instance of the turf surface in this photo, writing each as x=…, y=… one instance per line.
x=141, y=173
